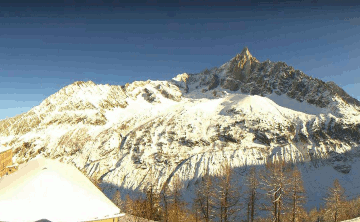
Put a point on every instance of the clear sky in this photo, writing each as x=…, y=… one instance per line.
x=47, y=45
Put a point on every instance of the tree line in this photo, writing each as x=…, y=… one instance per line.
x=274, y=193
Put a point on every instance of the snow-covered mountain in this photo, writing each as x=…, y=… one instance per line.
x=244, y=112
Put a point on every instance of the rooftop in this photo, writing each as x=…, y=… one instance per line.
x=48, y=189
x=4, y=148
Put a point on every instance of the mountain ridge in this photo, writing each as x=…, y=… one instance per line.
x=245, y=112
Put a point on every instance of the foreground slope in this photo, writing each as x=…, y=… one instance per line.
x=245, y=112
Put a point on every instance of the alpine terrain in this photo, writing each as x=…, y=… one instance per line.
x=245, y=112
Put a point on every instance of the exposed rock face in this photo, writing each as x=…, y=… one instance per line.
x=245, y=112
x=243, y=65
x=246, y=74
x=335, y=89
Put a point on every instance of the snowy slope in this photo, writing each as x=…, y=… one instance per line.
x=245, y=112
x=47, y=189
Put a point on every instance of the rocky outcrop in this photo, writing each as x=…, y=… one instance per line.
x=246, y=74
x=242, y=65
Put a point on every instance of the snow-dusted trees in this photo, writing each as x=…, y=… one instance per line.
x=275, y=183
x=205, y=198
x=228, y=194
x=335, y=203
x=252, y=183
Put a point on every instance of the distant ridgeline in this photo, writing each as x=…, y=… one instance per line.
x=6, y=164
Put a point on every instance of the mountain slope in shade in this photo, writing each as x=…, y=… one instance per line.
x=245, y=112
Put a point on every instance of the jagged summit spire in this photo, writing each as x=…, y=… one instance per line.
x=241, y=64
x=245, y=54
x=245, y=51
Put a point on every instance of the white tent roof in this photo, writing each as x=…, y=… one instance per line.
x=48, y=189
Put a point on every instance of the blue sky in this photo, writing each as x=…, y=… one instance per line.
x=44, y=47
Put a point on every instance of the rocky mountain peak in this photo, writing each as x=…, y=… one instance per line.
x=181, y=77
x=242, y=64
x=245, y=54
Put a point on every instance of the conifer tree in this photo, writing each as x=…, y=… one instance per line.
x=173, y=206
x=152, y=199
x=335, y=202
x=177, y=206
x=352, y=208
x=252, y=194
x=275, y=182
x=313, y=215
x=164, y=196
x=228, y=194
x=135, y=206
x=204, y=200
x=296, y=195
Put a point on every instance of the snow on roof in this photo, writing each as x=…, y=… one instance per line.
x=353, y=220
x=48, y=189
x=4, y=148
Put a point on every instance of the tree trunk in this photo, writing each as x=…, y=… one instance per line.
x=253, y=205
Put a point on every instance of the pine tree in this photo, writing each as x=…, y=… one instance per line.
x=204, y=200
x=152, y=199
x=296, y=195
x=228, y=195
x=152, y=203
x=135, y=206
x=275, y=182
x=335, y=202
x=313, y=215
x=252, y=194
x=164, y=195
x=173, y=206
x=351, y=209
x=177, y=205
